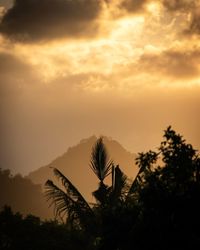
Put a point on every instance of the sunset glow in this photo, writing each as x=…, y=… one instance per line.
x=126, y=69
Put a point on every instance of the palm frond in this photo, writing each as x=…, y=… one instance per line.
x=63, y=204
x=100, y=163
x=136, y=183
x=72, y=191
x=119, y=185
x=69, y=203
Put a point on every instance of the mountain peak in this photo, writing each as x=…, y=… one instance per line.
x=92, y=138
x=74, y=163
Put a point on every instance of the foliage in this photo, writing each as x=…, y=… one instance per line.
x=69, y=202
x=99, y=163
x=168, y=195
x=158, y=210
x=18, y=232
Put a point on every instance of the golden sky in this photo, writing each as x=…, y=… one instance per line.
x=121, y=68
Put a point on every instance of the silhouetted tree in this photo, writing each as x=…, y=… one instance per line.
x=167, y=188
x=159, y=210
x=18, y=232
x=99, y=220
x=69, y=203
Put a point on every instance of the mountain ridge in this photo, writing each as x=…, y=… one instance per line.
x=74, y=164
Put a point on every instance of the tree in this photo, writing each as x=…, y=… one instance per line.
x=29, y=232
x=159, y=210
x=167, y=188
x=70, y=203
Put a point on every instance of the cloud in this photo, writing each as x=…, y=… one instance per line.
x=189, y=7
x=182, y=65
x=179, y=5
x=134, y=5
x=6, y=3
x=10, y=64
x=194, y=27
x=15, y=75
x=49, y=19
x=189, y=10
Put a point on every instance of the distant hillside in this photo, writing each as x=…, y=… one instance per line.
x=22, y=195
x=75, y=165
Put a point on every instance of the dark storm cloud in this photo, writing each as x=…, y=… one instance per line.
x=30, y=20
x=173, y=64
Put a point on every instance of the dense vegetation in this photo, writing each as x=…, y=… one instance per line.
x=160, y=209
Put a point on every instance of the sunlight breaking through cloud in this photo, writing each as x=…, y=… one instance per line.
x=133, y=58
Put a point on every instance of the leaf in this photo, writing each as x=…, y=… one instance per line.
x=120, y=184
x=69, y=203
x=61, y=201
x=99, y=163
x=71, y=190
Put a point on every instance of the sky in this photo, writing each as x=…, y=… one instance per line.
x=126, y=69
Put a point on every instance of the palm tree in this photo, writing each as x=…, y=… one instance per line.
x=112, y=205
x=68, y=202
x=102, y=167
x=111, y=201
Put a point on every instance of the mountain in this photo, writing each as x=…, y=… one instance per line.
x=25, y=194
x=75, y=165
x=22, y=195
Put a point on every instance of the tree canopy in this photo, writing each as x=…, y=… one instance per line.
x=159, y=209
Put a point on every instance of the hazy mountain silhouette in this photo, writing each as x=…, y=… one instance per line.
x=22, y=195
x=75, y=165
x=161, y=205
x=25, y=195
